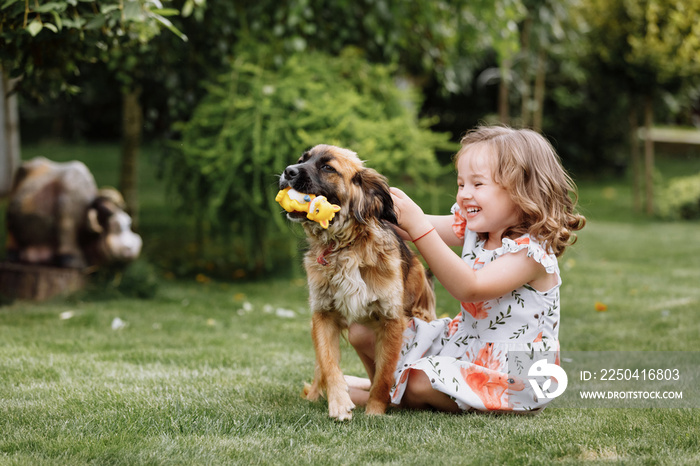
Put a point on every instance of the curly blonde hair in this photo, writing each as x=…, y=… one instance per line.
x=528, y=167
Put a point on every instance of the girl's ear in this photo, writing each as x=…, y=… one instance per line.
x=372, y=199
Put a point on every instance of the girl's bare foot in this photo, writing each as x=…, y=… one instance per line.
x=358, y=382
x=358, y=388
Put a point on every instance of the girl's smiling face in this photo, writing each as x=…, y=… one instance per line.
x=485, y=204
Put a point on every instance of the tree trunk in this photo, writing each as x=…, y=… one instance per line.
x=525, y=104
x=649, y=155
x=635, y=159
x=540, y=81
x=503, y=105
x=9, y=133
x=132, y=126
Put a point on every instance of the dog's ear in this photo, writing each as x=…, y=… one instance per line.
x=374, y=199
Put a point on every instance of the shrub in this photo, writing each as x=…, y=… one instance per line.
x=260, y=117
x=138, y=279
x=681, y=198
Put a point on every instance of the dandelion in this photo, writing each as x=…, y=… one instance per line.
x=600, y=307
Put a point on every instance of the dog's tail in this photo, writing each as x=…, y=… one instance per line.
x=424, y=299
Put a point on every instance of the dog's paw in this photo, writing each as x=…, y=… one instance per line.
x=375, y=408
x=310, y=392
x=340, y=406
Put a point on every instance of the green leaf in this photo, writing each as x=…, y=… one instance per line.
x=166, y=22
x=8, y=3
x=187, y=8
x=104, y=9
x=35, y=27
x=96, y=22
x=51, y=6
x=57, y=19
x=165, y=11
x=75, y=23
x=132, y=11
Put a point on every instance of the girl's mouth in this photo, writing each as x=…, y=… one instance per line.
x=471, y=211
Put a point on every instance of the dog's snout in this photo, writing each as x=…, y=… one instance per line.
x=291, y=172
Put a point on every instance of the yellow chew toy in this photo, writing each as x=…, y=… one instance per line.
x=318, y=208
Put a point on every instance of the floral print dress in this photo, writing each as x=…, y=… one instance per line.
x=468, y=357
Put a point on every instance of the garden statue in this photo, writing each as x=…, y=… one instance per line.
x=56, y=216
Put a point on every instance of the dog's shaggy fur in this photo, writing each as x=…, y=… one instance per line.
x=359, y=270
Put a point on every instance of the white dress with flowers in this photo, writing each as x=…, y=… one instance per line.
x=482, y=356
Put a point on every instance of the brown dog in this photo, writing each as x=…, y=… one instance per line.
x=359, y=270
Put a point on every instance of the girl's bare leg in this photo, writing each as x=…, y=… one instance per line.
x=420, y=394
x=362, y=339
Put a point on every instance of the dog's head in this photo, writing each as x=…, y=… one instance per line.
x=339, y=175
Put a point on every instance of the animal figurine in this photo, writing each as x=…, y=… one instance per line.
x=57, y=216
x=317, y=207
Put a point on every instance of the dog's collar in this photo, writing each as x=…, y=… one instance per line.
x=322, y=258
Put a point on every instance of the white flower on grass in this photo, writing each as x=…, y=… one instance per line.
x=247, y=307
x=286, y=313
x=118, y=324
x=66, y=315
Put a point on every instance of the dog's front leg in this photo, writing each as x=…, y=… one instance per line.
x=387, y=349
x=326, y=330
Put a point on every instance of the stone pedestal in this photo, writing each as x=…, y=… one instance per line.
x=38, y=282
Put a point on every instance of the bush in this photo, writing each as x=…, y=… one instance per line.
x=260, y=117
x=681, y=198
x=138, y=279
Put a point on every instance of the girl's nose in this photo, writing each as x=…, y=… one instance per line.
x=464, y=193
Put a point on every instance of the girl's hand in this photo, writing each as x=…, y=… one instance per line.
x=409, y=215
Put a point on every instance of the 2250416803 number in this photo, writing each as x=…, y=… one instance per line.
x=639, y=374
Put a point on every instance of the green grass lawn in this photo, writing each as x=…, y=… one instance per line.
x=210, y=372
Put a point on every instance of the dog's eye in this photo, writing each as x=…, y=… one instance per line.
x=328, y=169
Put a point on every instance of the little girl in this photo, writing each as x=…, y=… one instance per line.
x=514, y=216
